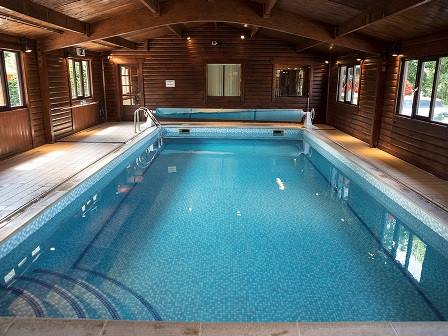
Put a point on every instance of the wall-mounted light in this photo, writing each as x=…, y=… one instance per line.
x=326, y=62
x=359, y=59
x=27, y=47
x=188, y=38
x=395, y=50
x=246, y=25
x=243, y=37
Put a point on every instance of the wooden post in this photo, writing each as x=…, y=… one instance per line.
x=43, y=80
x=379, y=102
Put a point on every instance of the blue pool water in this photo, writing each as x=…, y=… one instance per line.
x=227, y=230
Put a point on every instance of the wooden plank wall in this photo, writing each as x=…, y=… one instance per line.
x=355, y=120
x=61, y=108
x=421, y=143
x=418, y=142
x=185, y=61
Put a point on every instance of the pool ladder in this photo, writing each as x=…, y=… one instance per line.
x=148, y=114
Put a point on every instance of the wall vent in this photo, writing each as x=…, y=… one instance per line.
x=184, y=131
x=278, y=132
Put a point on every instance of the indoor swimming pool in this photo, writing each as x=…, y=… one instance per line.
x=243, y=227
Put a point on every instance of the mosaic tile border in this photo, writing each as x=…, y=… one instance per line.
x=386, y=194
x=36, y=222
x=234, y=132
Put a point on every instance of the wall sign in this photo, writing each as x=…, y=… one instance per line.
x=170, y=83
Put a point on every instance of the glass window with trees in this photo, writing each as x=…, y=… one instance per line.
x=224, y=80
x=291, y=81
x=424, y=89
x=11, y=84
x=80, y=81
x=348, y=83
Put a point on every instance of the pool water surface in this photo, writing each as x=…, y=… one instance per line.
x=228, y=230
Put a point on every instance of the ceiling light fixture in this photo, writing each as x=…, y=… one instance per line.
x=243, y=37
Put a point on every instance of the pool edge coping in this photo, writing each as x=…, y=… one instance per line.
x=44, y=202
x=85, y=327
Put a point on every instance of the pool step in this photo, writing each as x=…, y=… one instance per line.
x=80, y=293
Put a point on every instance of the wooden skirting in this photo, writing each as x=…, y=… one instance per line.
x=15, y=132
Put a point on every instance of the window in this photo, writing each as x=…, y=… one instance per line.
x=129, y=85
x=11, y=85
x=224, y=80
x=424, y=89
x=348, y=83
x=79, y=75
x=291, y=81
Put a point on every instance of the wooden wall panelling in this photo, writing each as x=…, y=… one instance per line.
x=34, y=98
x=184, y=61
x=85, y=116
x=420, y=143
x=15, y=132
x=380, y=89
x=59, y=95
x=356, y=120
x=22, y=129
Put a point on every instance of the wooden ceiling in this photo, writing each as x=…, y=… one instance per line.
x=309, y=25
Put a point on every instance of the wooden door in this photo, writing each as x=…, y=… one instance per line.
x=131, y=90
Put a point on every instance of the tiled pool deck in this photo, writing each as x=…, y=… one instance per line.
x=32, y=180
x=59, y=327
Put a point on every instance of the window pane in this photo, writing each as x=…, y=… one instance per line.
x=402, y=247
x=349, y=86
x=388, y=233
x=86, y=78
x=426, y=87
x=79, y=92
x=341, y=81
x=72, y=78
x=232, y=80
x=441, y=104
x=215, y=80
x=356, y=84
x=408, y=87
x=13, y=78
x=290, y=82
x=416, y=258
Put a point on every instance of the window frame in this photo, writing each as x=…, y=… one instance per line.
x=89, y=79
x=225, y=98
x=416, y=99
x=307, y=78
x=130, y=95
x=348, y=66
x=7, y=106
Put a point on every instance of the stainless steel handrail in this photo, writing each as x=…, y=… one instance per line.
x=147, y=113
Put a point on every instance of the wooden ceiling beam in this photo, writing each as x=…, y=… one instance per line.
x=267, y=8
x=231, y=11
x=311, y=44
x=121, y=42
x=152, y=5
x=376, y=14
x=176, y=30
x=36, y=11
